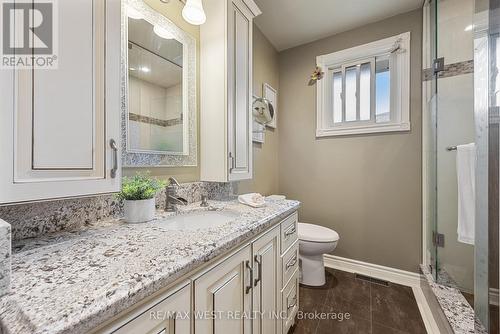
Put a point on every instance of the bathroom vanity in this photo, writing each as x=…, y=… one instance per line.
x=238, y=274
x=223, y=269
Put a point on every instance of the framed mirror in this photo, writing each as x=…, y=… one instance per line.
x=159, y=126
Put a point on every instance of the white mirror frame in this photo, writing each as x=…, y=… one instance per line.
x=136, y=158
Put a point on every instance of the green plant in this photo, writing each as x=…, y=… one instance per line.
x=140, y=187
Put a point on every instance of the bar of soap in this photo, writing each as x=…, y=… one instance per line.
x=276, y=197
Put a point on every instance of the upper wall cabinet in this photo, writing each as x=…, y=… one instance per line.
x=226, y=90
x=60, y=122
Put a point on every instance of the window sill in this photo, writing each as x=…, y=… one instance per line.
x=359, y=130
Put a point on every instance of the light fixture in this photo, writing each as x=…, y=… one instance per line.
x=145, y=69
x=162, y=32
x=193, y=12
x=469, y=27
x=134, y=13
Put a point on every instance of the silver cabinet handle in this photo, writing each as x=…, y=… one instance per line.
x=112, y=144
x=290, y=232
x=292, y=262
x=258, y=260
x=250, y=269
x=232, y=162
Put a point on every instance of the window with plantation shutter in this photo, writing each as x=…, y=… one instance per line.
x=365, y=89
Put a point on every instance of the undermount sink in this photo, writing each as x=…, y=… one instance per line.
x=200, y=220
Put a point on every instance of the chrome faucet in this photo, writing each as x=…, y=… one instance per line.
x=172, y=200
x=204, y=201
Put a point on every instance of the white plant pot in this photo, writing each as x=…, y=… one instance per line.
x=139, y=211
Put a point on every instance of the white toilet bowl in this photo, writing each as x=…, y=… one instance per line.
x=314, y=241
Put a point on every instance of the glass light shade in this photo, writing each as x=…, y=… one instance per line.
x=193, y=12
x=162, y=32
x=134, y=13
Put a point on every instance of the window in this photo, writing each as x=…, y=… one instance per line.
x=365, y=89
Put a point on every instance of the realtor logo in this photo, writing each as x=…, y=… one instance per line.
x=29, y=34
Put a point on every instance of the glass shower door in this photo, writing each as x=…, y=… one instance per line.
x=429, y=135
x=461, y=103
x=455, y=126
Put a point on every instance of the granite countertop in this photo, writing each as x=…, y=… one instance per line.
x=71, y=282
x=458, y=312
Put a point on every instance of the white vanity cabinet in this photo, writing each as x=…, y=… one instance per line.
x=170, y=315
x=223, y=295
x=249, y=281
x=56, y=124
x=252, y=290
x=289, y=271
x=267, y=283
x=226, y=90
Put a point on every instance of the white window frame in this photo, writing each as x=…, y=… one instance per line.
x=398, y=48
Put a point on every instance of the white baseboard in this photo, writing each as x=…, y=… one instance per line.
x=393, y=275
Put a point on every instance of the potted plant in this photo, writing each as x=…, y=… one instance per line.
x=138, y=195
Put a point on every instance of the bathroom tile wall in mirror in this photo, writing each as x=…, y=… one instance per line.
x=155, y=115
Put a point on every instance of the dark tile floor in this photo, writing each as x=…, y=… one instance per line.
x=372, y=308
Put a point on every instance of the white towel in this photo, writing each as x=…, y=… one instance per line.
x=466, y=177
x=254, y=200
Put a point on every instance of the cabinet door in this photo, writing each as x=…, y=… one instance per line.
x=223, y=295
x=266, y=291
x=56, y=124
x=170, y=316
x=239, y=90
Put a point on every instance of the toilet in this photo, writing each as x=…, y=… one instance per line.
x=314, y=241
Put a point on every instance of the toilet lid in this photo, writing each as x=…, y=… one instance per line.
x=316, y=233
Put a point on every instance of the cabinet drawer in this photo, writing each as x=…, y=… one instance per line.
x=289, y=263
x=290, y=302
x=166, y=317
x=288, y=232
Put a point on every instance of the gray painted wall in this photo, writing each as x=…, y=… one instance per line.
x=366, y=187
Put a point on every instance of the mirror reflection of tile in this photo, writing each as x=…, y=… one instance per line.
x=155, y=90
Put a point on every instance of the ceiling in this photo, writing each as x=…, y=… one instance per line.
x=289, y=23
x=152, y=68
x=141, y=33
x=152, y=58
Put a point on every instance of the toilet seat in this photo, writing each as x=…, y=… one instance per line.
x=316, y=233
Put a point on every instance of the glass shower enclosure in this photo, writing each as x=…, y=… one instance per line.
x=460, y=87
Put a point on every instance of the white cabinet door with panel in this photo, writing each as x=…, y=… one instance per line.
x=223, y=295
x=56, y=125
x=169, y=316
x=226, y=90
x=267, y=283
